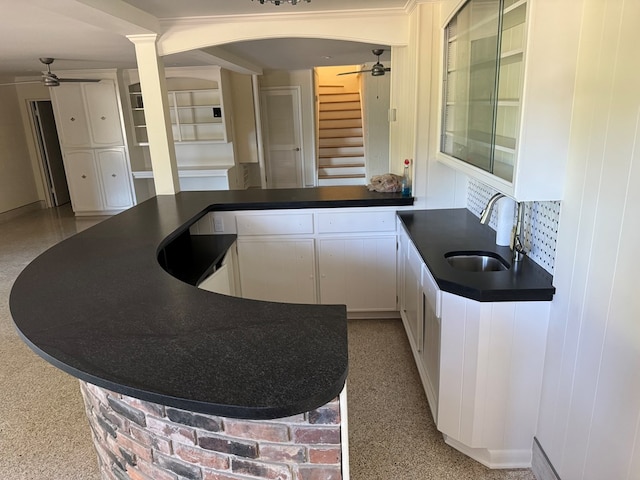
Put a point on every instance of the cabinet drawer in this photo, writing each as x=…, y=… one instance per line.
x=356, y=222
x=275, y=224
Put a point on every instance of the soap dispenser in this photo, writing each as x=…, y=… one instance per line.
x=406, y=179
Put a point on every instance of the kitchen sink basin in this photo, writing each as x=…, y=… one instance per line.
x=477, y=261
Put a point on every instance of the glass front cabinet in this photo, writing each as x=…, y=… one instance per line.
x=492, y=127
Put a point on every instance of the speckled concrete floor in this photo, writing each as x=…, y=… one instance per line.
x=391, y=432
x=44, y=434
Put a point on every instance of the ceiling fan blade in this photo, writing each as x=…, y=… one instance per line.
x=91, y=80
x=20, y=83
x=351, y=73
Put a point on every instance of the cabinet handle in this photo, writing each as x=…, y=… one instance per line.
x=113, y=175
x=103, y=118
x=73, y=119
x=84, y=176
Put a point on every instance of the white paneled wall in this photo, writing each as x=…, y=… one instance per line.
x=589, y=424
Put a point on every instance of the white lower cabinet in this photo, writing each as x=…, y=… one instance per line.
x=328, y=256
x=278, y=270
x=411, y=305
x=98, y=180
x=224, y=279
x=491, y=364
x=429, y=355
x=358, y=272
x=480, y=363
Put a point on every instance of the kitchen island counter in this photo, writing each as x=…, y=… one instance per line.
x=100, y=307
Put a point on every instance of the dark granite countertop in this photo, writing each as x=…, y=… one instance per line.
x=436, y=232
x=101, y=307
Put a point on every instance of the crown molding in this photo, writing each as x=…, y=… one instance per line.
x=177, y=22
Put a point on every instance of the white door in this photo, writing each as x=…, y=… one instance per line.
x=282, y=129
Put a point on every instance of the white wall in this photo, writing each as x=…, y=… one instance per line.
x=436, y=185
x=375, y=106
x=17, y=183
x=589, y=422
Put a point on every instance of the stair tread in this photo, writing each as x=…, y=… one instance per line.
x=342, y=165
x=355, y=175
x=341, y=156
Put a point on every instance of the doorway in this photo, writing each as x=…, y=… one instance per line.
x=282, y=127
x=50, y=154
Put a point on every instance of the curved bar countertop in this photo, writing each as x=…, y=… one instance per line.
x=100, y=307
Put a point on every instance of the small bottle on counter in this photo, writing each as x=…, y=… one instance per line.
x=406, y=179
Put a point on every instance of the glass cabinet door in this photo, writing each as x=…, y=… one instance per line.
x=482, y=84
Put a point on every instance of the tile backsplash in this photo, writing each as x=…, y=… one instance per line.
x=540, y=228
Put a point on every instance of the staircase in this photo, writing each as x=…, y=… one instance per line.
x=341, y=146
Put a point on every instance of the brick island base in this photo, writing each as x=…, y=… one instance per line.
x=138, y=440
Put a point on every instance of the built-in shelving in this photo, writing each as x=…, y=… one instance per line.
x=196, y=116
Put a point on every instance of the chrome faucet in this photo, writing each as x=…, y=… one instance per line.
x=517, y=244
x=485, y=216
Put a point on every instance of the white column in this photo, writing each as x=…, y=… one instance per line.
x=156, y=112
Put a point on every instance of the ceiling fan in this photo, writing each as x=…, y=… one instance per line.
x=377, y=69
x=50, y=79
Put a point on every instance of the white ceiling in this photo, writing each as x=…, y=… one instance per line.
x=30, y=29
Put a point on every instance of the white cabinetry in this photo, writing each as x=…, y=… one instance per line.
x=480, y=363
x=411, y=305
x=99, y=180
x=340, y=256
x=358, y=272
x=87, y=114
x=196, y=115
x=206, y=145
x=82, y=178
x=420, y=312
x=356, y=260
x=89, y=122
x=224, y=279
x=491, y=364
x=276, y=256
x=279, y=270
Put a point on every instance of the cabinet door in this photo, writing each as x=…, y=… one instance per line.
x=430, y=356
x=358, y=272
x=114, y=178
x=82, y=178
x=71, y=120
x=278, y=270
x=103, y=114
x=412, y=307
x=219, y=282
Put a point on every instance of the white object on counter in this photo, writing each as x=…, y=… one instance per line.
x=504, y=224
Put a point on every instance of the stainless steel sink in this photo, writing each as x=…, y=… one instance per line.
x=477, y=261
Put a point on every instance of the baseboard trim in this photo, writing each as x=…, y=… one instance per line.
x=493, y=458
x=541, y=465
x=16, y=212
x=372, y=315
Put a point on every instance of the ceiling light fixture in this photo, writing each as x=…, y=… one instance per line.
x=278, y=2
